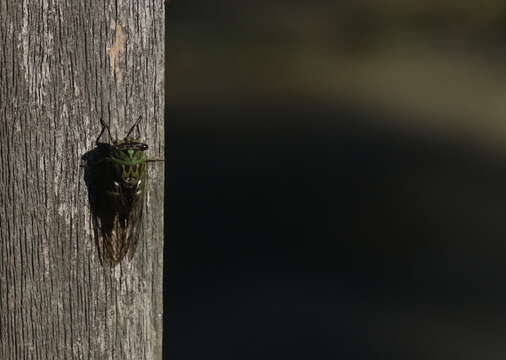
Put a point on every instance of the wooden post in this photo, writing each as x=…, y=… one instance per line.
x=64, y=65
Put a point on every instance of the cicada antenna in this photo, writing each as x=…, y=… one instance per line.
x=136, y=125
x=104, y=127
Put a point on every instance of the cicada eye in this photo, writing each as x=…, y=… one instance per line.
x=116, y=185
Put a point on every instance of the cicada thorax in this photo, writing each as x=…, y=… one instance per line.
x=128, y=163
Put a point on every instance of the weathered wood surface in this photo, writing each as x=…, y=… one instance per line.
x=63, y=65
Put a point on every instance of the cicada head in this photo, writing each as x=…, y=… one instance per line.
x=128, y=151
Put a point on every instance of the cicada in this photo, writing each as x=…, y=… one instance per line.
x=116, y=177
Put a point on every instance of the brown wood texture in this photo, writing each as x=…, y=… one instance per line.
x=63, y=65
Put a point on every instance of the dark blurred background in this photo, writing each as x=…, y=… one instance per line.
x=335, y=180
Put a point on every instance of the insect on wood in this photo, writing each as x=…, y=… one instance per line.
x=116, y=175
